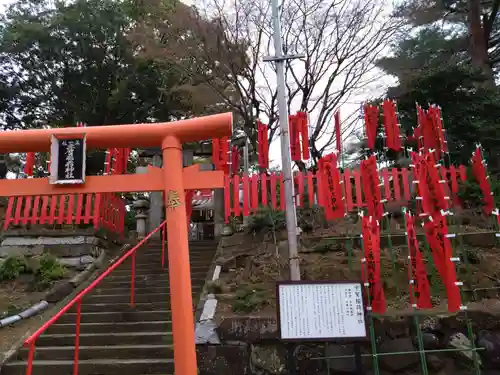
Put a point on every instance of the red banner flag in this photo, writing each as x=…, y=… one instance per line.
x=371, y=270
x=391, y=126
x=436, y=233
x=263, y=145
x=29, y=166
x=371, y=187
x=294, y=137
x=479, y=172
x=371, y=124
x=432, y=191
x=330, y=187
x=420, y=293
x=220, y=154
x=304, y=134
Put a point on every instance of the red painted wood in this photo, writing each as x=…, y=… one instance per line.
x=8, y=213
x=62, y=209
x=53, y=209
x=97, y=210
x=310, y=188
x=236, y=195
x=44, y=216
x=34, y=211
x=273, y=183
x=320, y=193
x=71, y=207
x=359, y=190
x=79, y=209
x=227, y=198
x=246, y=198
x=348, y=190
x=396, y=184
x=263, y=188
x=27, y=209
x=87, y=218
x=406, y=184
x=17, y=215
x=254, y=192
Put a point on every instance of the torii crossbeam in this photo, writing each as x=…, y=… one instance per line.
x=172, y=179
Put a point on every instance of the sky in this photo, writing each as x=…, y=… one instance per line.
x=353, y=104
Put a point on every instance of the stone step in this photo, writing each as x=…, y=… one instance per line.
x=142, y=282
x=156, y=253
x=106, y=307
x=108, y=339
x=93, y=367
x=125, y=298
x=155, y=270
x=117, y=316
x=162, y=279
x=59, y=353
x=143, y=290
x=111, y=327
x=197, y=272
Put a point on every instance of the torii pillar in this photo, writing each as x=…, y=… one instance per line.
x=172, y=180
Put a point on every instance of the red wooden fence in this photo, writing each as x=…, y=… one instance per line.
x=263, y=190
x=105, y=211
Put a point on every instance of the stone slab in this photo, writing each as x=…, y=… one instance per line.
x=248, y=329
x=50, y=240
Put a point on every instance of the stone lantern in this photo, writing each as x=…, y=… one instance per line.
x=141, y=207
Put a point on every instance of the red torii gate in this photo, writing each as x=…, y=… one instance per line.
x=172, y=179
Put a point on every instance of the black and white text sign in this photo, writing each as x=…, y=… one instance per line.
x=67, y=161
x=321, y=311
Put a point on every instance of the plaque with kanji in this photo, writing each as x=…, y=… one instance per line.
x=67, y=164
x=321, y=311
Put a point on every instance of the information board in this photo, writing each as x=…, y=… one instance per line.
x=67, y=161
x=321, y=311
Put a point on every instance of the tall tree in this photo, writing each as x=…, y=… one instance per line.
x=62, y=62
x=340, y=40
x=477, y=21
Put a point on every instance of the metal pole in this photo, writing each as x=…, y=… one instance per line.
x=291, y=219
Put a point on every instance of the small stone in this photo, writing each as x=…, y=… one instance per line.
x=268, y=358
x=399, y=362
x=434, y=363
x=430, y=341
x=463, y=344
x=490, y=341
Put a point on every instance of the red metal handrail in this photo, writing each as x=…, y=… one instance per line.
x=30, y=341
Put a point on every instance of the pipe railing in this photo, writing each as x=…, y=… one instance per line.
x=30, y=342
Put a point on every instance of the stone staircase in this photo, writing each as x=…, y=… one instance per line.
x=116, y=339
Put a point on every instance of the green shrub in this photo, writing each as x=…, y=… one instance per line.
x=50, y=269
x=12, y=267
x=250, y=298
x=470, y=192
x=266, y=219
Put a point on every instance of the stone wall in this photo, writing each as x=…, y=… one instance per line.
x=250, y=346
x=76, y=250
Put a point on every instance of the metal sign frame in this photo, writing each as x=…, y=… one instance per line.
x=54, y=159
